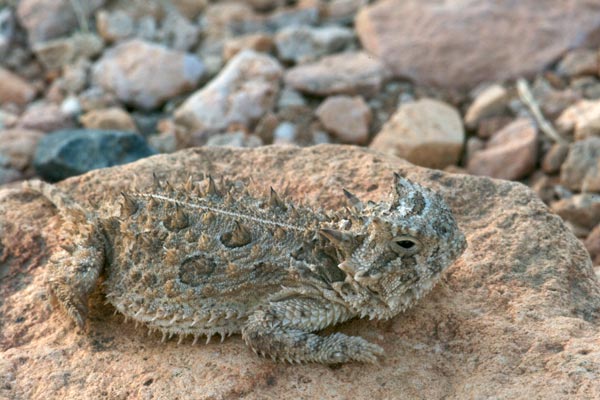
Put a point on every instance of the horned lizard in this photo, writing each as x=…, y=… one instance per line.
x=202, y=260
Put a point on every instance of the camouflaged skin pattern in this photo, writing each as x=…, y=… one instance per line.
x=205, y=259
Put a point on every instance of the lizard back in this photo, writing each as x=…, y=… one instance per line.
x=192, y=257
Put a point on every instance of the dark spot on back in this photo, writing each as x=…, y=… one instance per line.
x=194, y=270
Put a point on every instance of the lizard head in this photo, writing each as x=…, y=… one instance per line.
x=398, y=250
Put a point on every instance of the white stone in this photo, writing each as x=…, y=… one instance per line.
x=242, y=92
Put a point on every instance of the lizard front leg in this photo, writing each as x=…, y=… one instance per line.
x=73, y=274
x=283, y=331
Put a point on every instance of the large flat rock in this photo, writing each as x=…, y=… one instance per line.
x=460, y=43
x=516, y=317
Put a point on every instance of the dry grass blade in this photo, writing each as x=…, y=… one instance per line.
x=527, y=98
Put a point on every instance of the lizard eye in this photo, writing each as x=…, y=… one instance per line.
x=405, y=245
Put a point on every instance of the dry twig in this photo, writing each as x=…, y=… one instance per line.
x=527, y=98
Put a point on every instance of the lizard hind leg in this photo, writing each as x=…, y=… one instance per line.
x=73, y=271
x=283, y=331
x=72, y=276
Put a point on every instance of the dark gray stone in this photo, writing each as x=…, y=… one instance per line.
x=71, y=152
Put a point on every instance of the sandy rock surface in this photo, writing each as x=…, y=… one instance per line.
x=516, y=317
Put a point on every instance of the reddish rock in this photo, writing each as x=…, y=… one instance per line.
x=579, y=62
x=592, y=244
x=582, y=166
x=554, y=158
x=516, y=317
x=256, y=41
x=581, y=211
x=545, y=186
x=145, y=75
x=45, y=117
x=108, y=119
x=426, y=132
x=591, y=182
x=510, y=154
x=345, y=73
x=14, y=89
x=18, y=146
x=487, y=127
x=474, y=144
x=459, y=43
x=346, y=117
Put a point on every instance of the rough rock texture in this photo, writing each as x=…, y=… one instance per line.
x=521, y=325
x=509, y=154
x=125, y=71
x=460, y=43
x=425, y=132
x=244, y=90
x=345, y=73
